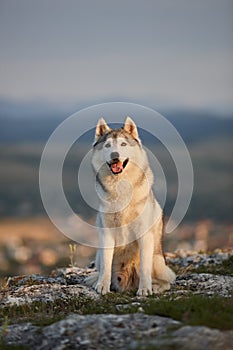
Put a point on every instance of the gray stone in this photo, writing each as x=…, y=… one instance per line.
x=128, y=331
x=198, y=260
x=90, y=332
x=118, y=332
x=202, y=338
x=44, y=293
x=204, y=284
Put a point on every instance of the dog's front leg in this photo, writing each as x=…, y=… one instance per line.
x=146, y=259
x=105, y=256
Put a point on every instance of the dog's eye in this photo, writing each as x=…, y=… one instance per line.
x=124, y=144
x=108, y=145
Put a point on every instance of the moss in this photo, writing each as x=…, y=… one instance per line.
x=42, y=314
x=39, y=313
x=4, y=346
x=213, y=312
x=226, y=268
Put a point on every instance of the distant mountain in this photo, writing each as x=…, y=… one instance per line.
x=207, y=136
x=196, y=126
x=36, y=121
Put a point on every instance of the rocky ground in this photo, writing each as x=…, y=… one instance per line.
x=59, y=312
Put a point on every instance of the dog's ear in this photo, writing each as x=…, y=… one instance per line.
x=131, y=128
x=101, y=129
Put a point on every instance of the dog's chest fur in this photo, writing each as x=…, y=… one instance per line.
x=124, y=198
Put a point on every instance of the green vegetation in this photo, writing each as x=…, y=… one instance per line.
x=215, y=312
x=212, y=162
x=4, y=346
x=226, y=268
x=73, y=250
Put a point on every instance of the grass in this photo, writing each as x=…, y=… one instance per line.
x=225, y=268
x=4, y=346
x=196, y=310
x=215, y=312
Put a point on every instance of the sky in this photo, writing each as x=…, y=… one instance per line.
x=171, y=52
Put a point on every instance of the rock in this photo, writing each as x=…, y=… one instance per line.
x=34, y=280
x=44, y=293
x=72, y=275
x=22, y=333
x=62, y=284
x=28, y=289
x=196, y=260
x=90, y=332
x=204, y=284
x=106, y=331
x=117, y=332
x=202, y=338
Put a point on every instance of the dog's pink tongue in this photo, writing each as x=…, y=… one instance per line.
x=117, y=167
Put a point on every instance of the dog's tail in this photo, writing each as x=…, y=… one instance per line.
x=161, y=271
x=91, y=280
x=167, y=275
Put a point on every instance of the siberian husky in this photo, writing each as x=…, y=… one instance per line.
x=129, y=221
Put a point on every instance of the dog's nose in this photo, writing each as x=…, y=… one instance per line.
x=115, y=155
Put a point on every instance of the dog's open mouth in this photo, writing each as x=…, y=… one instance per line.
x=116, y=166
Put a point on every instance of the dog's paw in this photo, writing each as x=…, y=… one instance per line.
x=102, y=288
x=160, y=287
x=143, y=292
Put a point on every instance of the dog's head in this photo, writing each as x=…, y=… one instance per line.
x=117, y=148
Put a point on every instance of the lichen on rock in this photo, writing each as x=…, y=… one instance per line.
x=73, y=315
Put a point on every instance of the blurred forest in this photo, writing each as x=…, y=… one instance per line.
x=29, y=243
